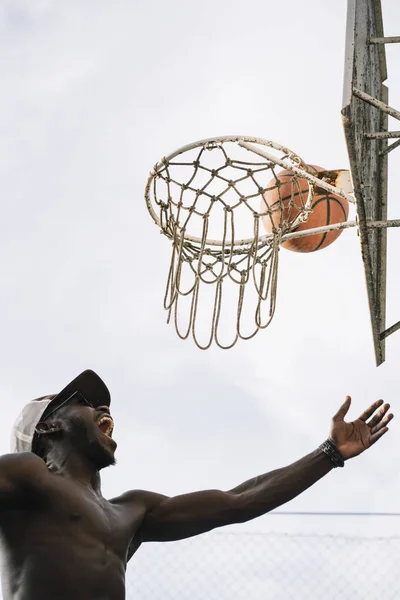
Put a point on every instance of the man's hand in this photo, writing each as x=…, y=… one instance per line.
x=353, y=438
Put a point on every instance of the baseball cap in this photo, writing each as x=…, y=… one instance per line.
x=88, y=384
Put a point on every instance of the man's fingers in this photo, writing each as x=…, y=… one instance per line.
x=370, y=411
x=375, y=437
x=379, y=415
x=343, y=410
x=382, y=424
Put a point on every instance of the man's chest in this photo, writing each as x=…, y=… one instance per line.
x=70, y=514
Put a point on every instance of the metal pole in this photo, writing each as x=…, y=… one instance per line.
x=337, y=226
x=390, y=330
x=378, y=103
x=391, y=147
x=382, y=135
x=384, y=40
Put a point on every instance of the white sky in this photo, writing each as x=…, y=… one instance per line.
x=93, y=95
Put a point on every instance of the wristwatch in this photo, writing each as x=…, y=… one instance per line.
x=329, y=447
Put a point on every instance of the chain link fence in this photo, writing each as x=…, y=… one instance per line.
x=278, y=565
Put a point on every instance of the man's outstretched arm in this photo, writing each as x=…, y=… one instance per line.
x=179, y=517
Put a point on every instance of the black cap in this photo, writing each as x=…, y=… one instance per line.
x=89, y=384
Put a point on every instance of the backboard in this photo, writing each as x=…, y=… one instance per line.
x=366, y=130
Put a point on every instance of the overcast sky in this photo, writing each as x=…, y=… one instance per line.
x=93, y=94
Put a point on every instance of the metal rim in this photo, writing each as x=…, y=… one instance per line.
x=290, y=156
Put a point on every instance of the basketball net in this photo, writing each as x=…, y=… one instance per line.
x=208, y=198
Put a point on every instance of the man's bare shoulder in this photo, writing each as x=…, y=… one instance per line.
x=136, y=505
x=22, y=464
x=140, y=498
x=18, y=471
x=21, y=475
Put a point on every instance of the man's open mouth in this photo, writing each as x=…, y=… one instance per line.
x=106, y=425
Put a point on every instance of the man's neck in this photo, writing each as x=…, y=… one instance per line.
x=74, y=466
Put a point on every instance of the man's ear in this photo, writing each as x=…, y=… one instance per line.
x=45, y=428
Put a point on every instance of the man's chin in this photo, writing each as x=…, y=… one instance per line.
x=107, y=463
x=103, y=455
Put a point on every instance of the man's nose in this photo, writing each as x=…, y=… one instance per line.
x=103, y=408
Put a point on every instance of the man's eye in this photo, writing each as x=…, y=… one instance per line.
x=81, y=401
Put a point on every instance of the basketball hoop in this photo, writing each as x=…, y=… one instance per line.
x=208, y=198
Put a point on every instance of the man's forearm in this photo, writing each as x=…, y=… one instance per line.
x=264, y=493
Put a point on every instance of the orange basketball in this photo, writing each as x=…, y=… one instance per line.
x=326, y=209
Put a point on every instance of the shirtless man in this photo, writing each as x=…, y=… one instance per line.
x=61, y=540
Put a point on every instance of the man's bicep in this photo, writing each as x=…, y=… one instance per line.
x=180, y=517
